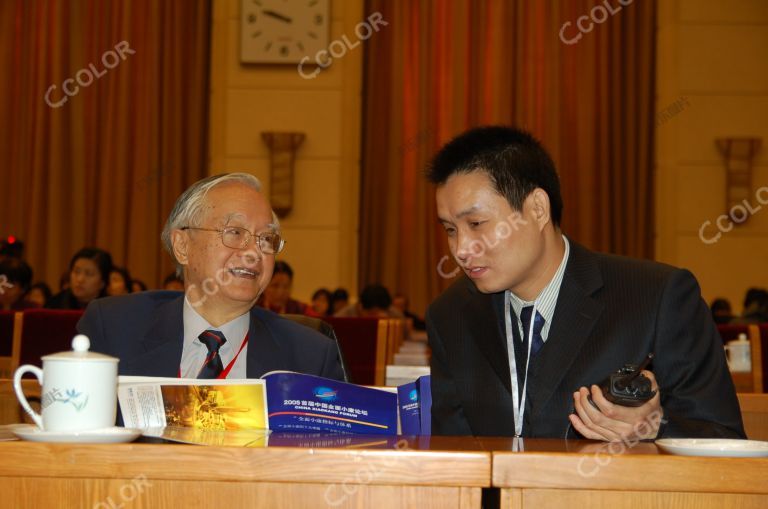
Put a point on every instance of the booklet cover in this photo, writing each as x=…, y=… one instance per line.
x=279, y=401
x=221, y=405
x=415, y=402
x=312, y=403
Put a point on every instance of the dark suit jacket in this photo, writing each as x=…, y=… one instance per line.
x=146, y=332
x=610, y=311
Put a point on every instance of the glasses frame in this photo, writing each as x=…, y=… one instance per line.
x=248, y=239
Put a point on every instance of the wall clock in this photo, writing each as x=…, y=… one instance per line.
x=283, y=31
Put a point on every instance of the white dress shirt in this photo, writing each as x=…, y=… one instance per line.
x=546, y=300
x=194, y=352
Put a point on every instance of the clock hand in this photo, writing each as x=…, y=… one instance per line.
x=277, y=15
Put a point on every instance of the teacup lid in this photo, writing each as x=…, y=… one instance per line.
x=742, y=339
x=79, y=352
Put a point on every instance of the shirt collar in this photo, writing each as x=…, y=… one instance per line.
x=547, y=298
x=234, y=330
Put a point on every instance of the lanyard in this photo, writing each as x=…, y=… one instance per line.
x=518, y=402
x=226, y=370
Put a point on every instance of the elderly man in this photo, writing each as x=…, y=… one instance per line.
x=224, y=238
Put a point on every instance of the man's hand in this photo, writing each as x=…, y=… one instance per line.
x=615, y=423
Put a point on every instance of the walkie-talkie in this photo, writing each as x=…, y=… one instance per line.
x=628, y=386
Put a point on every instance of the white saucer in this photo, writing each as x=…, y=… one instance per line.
x=113, y=435
x=714, y=447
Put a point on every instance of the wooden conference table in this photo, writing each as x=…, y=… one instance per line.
x=388, y=472
x=309, y=471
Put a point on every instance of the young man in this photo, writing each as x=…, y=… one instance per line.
x=586, y=314
x=224, y=237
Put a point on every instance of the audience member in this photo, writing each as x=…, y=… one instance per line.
x=15, y=277
x=173, y=282
x=39, y=294
x=339, y=300
x=138, y=286
x=375, y=301
x=119, y=281
x=64, y=281
x=755, y=307
x=721, y=311
x=277, y=296
x=400, y=302
x=321, y=302
x=89, y=273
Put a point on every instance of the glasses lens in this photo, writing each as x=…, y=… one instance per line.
x=269, y=242
x=234, y=237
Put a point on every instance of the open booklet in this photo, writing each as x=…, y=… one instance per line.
x=279, y=401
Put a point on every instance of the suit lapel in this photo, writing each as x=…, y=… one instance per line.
x=486, y=329
x=575, y=315
x=162, y=343
x=264, y=353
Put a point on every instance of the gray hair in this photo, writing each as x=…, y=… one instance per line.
x=190, y=206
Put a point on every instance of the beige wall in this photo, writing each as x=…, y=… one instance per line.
x=714, y=54
x=321, y=231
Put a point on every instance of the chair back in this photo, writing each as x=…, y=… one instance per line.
x=43, y=331
x=364, y=342
x=729, y=332
x=6, y=343
x=324, y=328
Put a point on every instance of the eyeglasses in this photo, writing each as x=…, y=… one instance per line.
x=239, y=238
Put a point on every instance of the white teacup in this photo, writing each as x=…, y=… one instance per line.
x=738, y=354
x=79, y=389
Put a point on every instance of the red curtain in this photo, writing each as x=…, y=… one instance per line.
x=103, y=165
x=442, y=66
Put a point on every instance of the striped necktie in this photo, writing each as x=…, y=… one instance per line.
x=538, y=324
x=212, y=367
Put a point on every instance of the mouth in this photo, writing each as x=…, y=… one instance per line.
x=243, y=272
x=475, y=272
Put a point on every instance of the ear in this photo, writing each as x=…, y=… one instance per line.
x=180, y=245
x=540, y=207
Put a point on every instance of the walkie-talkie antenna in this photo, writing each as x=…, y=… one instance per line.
x=624, y=382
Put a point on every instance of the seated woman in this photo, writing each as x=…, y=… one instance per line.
x=89, y=273
x=321, y=302
x=277, y=296
x=119, y=281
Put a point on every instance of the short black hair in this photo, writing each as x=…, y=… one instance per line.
x=283, y=268
x=375, y=296
x=340, y=294
x=513, y=159
x=172, y=277
x=17, y=272
x=759, y=295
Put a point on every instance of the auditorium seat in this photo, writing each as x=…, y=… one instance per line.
x=326, y=329
x=6, y=343
x=364, y=342
x=41, y=332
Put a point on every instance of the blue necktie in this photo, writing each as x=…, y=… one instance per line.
x=212, y=367
x=538, y=324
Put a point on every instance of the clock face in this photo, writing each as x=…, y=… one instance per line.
x=283, y=31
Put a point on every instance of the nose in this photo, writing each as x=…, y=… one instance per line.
x=251, y=256
x=463, y=248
